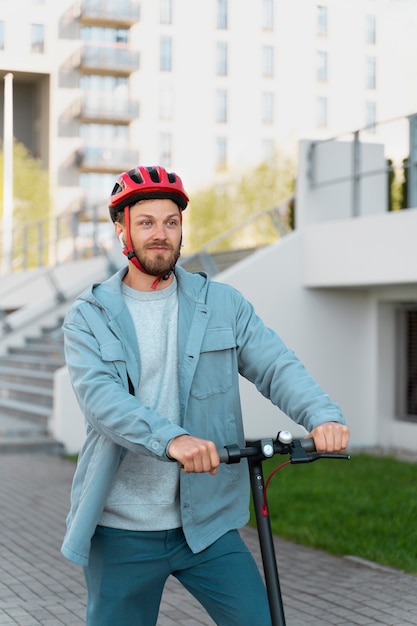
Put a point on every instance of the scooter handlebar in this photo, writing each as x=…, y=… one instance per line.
x=265, y=448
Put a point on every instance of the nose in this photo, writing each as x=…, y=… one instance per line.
x=159, y=232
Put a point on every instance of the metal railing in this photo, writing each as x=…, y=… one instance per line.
x=52, y=241
x=398, y=137
x=258, y=230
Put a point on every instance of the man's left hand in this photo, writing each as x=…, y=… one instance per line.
x=330, y=437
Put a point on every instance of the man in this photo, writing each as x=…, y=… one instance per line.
x=154, y=355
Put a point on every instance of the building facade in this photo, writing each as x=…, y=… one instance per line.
x=209, y=88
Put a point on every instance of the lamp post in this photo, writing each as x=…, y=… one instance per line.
x=8, y=174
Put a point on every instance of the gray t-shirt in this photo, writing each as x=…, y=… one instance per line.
x=145, y=490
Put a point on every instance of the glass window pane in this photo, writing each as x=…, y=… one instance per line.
x=267, y=60
x=370, y=29
x=221, y=153
x=37, y=38
x=221, y=106
x=165, y=149
x=267, y=107
x=221, y=65
x=166, y=54
x=165, y=9
x=222, y=14
x=268, y=14
x=370, y=116
x=371, y=72
x=321, y=20
x=321, y=66
x=321, y=112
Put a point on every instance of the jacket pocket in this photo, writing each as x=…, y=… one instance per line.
x=112, y=351
x=214, y=371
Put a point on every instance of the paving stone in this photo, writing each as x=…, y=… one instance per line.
x=39, y=587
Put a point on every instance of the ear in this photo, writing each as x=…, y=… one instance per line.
x=119, y=230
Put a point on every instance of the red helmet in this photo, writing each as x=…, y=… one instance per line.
x=146, y=183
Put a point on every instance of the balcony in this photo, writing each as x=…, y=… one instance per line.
x=105, y=159
x=100, y=108
x=108, y=59
x=120, y=14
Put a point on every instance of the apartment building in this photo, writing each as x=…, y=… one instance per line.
x=208, y=88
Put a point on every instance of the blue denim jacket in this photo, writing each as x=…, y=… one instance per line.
x=219, y=337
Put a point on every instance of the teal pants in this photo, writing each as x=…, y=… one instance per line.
x=127, y=572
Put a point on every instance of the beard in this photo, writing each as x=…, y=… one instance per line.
x=158, y=264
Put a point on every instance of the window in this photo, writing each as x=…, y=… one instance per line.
x=166, y=103
x=221, y=14
x=321, y=112
x=104, y=134
x=37, y=38
x=370, y=80
x=166, y=54
x=370, y=29
x=106, y=96
x=321, y=23
x=96, y=188
x=406, y=366
x=221, y=106
x=370, y=116
x=268, y=14
x=221, y=58
x=1, y=35
x=267, y=107
x=165, y=11
x=267, y=60
x=221, y=153
x=165, y=149
x=268, y=150
x=107, y=35
x=321, y=71
x=110, y=84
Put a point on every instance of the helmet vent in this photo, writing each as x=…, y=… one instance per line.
x=136, y=176
x=154, y=174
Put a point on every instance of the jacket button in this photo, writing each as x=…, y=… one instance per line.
x=155, y=446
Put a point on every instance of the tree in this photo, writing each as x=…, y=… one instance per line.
x=216, y=210
x=31, y=200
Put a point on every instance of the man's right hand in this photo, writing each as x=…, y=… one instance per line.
x=194, y=454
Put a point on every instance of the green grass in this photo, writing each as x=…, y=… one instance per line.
x=365, y=507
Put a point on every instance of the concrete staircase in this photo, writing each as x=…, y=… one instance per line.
x=26, y=393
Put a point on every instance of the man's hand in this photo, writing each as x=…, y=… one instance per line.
x=195, y=455
x=330, y=437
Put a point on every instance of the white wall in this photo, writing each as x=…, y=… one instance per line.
x=374, y=250
x=330, y=331
x=67, y=423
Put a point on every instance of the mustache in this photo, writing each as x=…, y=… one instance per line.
x=159, y=244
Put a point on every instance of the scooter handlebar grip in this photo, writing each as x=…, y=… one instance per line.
x=308, y=444
x=223, y=455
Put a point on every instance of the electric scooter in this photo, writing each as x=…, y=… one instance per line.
x=300, y=451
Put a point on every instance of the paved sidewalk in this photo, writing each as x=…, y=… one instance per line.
x=38, y=586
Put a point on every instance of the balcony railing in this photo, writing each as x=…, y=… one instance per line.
x=120, y=13
x=108, y=59
x=105, y=159
x=96, y=107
